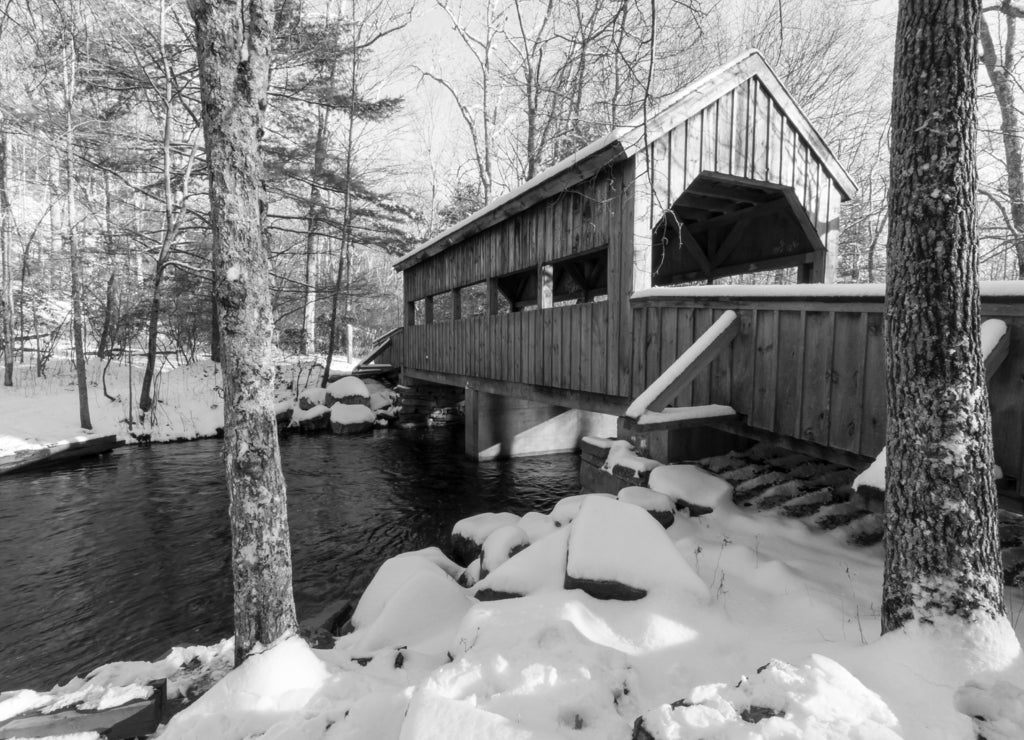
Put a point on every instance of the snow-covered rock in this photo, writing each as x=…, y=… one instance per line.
x=818, y=699
x=311, y=397
x=500, y=545
x=541, y=566
x=389, y=579
x=348, y=390
x=537, y=525
x=691, y=487
x=468, y=534
x=567, y=508
x=314, y=419
x=618, y=551
x=351, y=418
x=658, y=505
x=422, y=614
x=623, y=459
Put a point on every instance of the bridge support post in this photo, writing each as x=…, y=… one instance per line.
x=503, y=426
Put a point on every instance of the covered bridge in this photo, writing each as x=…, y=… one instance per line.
x=544, y=305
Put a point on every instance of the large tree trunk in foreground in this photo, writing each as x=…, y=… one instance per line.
x=942, y=554
x=233, y=41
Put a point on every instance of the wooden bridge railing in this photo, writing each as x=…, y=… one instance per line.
x=808, y=361
x=563, y=347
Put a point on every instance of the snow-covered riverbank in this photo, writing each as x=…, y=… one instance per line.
x=746, y=626
x=36, y=411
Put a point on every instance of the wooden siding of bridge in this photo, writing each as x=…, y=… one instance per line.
x=745, y=134
x=810, y=370
x=508, y=348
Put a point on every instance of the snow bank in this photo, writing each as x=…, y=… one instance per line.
x=315, y=396
x=690, y=484
x=818, y=699
x=248, y=701
x=468, y=534
x=118, y=683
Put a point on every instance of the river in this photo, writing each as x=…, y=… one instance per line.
x=122, y=557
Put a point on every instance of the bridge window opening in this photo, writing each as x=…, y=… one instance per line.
x=420, y=312
x=732, y=230
x=581, y=279
x=517, y=291
x=474, y=300
x=443, y=307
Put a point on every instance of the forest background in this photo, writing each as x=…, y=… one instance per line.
x=388, y=122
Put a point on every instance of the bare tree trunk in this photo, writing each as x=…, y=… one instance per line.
x=999, y=71
x=942, y=548
x=345, y=255
x=233, y=41
x=6, y=264
x=77, y=333
x=312, y=225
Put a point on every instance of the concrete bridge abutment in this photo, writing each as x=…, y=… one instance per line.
x=500, y=426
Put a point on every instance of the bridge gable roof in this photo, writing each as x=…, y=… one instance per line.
x=625, y=141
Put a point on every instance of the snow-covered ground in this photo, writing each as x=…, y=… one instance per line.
x=37, y=411
x=747, y=626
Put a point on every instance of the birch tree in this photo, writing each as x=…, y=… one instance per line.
x=233, y=40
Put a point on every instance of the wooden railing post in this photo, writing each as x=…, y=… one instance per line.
x=428, y=310
x=456, y=304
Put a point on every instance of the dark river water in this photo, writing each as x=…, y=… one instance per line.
x=122, y=557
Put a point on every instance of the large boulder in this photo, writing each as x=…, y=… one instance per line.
x=311, y=397
x=567, y=508
x=314, y=419
x=468, y=534
x=658, y=505
x=349, y=390
x=617, y=551
x=351, y=418
x=541, y=566
x=500, y=545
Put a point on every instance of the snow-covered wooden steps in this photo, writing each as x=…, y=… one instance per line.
x=62, y=451
x=137, y=718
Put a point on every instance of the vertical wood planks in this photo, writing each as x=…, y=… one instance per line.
x=684, y=338
x=702, y=320
x=765, y=369
x=847, y=380
x=789, y=372
x=818, y=343
x=872, y=426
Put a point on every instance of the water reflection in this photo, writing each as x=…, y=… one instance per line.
x=121, y=557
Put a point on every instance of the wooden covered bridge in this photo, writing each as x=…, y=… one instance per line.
x=551, y=306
